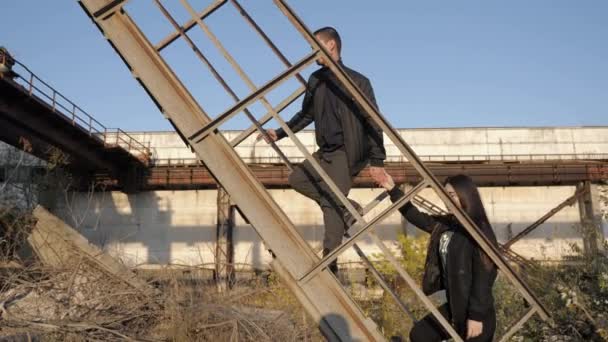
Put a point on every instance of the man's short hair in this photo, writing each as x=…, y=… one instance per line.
x=330, y=33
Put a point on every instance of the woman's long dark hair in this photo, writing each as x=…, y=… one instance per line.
x=471, y=203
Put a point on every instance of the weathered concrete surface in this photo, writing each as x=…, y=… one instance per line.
x=58, y=245
x=178, y=227
x=436, y=142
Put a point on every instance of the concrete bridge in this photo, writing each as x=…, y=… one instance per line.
x=174, y=221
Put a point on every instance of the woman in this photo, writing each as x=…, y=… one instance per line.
x=455, y=262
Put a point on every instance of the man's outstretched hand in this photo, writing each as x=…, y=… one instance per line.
x=271, y=134
x=388, y=182
x=378, y=174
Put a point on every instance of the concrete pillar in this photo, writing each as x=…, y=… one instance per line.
x=224, y=248
x=593, y=235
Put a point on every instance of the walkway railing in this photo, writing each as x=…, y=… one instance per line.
x=111, y=137
x=427, y=158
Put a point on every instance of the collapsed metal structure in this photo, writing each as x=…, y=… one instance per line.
x=303, y=271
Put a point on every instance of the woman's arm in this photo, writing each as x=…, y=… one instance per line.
x=484, y=274
x=412, y=214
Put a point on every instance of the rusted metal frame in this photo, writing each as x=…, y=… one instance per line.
x=266, y=104
x=265, y=37
x=189, y=25
x=218, y=77
x=213, y=125
x=235, y=65
x=281, y=122
x=405, y=149
x=279, y=108
x=359, y=234
x=518, y=325
x=324, y=297
x=568, y=202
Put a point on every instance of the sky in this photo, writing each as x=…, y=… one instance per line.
x=469, y=63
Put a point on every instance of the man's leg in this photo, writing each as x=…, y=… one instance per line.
x=336, y=166
x=306, y=181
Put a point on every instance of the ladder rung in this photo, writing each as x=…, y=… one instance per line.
x=284, y=104
x=108, y=8
x=203, y=132
x=351, y=241
x=190, y=24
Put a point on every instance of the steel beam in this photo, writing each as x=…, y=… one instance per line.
x=568, y=202
x=224, y=246
x=325, y=298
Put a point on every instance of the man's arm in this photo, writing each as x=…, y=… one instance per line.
x=374, y=133
x=305, y=116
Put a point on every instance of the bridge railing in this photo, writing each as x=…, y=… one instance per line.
x=426, y=158
x=34, y=86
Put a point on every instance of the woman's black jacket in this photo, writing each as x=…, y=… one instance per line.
x=470, y=279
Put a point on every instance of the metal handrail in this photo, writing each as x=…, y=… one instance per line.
x=76, y=115
x=398, y=158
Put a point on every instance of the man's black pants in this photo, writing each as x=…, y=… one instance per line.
x=305, y=180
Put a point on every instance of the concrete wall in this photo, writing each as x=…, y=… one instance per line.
x=453, y=143
x=178, y=227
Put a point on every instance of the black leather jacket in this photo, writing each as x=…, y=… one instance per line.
x=470, y=280
x=363, y=139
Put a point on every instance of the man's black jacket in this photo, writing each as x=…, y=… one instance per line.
x=363, y=140
x=470, y=279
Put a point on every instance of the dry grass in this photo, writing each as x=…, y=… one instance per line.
x=81, y=302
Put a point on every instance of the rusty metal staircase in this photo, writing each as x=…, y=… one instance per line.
x=304, y=272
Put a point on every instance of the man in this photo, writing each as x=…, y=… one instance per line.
x=347, y=137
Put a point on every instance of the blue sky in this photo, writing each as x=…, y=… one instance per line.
x=432, y=64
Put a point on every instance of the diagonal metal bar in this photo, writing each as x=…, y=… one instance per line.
x=220, y=79
x=484, y=243
x=517, y=325
x=383, y=282
x=371, y=205
x=358, y=235
x=428, y=205
x=568, y=202
x=279, y=108
x=265, y=37
x=414, y=286
x=189, y=25
x=203, y=132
